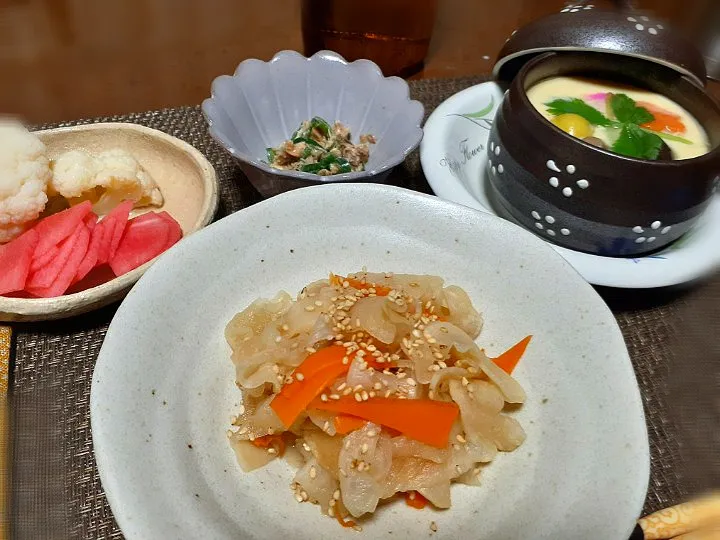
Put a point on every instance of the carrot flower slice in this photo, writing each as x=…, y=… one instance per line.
x=315, y=373
x=424, y=420
x=510, y=358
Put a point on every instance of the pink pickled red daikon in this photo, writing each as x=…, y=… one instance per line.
x=15, y=259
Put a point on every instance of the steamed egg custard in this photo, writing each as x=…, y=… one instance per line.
x=630, y=121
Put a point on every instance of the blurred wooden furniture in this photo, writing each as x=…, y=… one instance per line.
x=66, y=59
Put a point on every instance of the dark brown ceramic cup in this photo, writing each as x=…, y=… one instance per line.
x=589, y=199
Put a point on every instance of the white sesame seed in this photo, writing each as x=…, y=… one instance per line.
x=342, y=387
x=311, y=350
x=371, y=348
x=306, y=447
x=361, y=466
x=442, y=364
x=411, y=381
x=334, y=396
x=243, y=430
x=278, y=339
x=323, y=397
x=358, y=398
x=345, y=360
x=309, y=308
x=465, y=382
x=371, y=393
x=299, y=376
x=460, y=438
x=285, y=328
x=345, y=284
x=343, y=473
x=318, y=303
x=331, y=510
x=326, y=425
x=271, y=451
x=347, y=391
x=416, y=333
x=313, y=472
x=364, y=448
x=336, y=495
x=388, y=393
x=444, y=329
x=377, y=386
x=360, y=353
x=365, y=395
x=298, y=498
x=438, y=355
x=372, y=433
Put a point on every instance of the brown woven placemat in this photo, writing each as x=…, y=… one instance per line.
x=56, y=492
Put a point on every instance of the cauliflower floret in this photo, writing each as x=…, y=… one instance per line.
x=24, y=177
x=106, y=180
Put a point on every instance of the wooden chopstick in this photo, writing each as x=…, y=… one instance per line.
x=5, y=339
x=697, y=519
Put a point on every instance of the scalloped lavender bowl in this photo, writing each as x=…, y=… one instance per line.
x=264, y=102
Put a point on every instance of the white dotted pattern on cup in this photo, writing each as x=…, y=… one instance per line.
x=651, y=28
x=654, y=226
x=550, y=220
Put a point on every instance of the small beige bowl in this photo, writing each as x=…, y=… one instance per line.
x=187, y=181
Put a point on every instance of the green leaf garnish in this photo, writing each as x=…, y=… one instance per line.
x=638, y=143
x=579, y=107
x=270, y=155
x=626, y=110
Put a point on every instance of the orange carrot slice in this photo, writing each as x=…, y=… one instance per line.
x=271, y=441
x=315, y=373
x=345, y=423
x=510, y=358
x=664, y=121
x=348, y=524
x=414, y=499
x=424, y=420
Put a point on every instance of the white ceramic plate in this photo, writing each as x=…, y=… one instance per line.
x=454, y=162
x=164, y=380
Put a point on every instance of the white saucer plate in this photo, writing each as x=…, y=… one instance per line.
x=453, y=157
